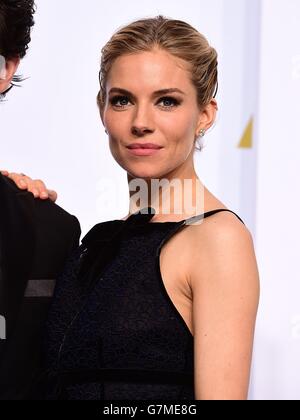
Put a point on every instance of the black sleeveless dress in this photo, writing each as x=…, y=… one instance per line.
x=113, y=331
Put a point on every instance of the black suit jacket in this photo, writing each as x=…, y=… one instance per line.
x=36, y=238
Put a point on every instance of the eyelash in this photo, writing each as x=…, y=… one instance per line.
x=174, y=101
x=3, y=94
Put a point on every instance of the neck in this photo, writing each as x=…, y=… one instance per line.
x=173, y=197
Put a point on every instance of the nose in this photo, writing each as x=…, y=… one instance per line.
x=142, y=122
x=140, y=131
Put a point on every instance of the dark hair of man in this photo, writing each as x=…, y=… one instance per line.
x=16, y=20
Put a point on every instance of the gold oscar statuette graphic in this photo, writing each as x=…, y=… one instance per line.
x=247, y=138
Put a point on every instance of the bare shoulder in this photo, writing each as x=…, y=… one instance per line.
x=224, y=280
x=221, y=223
x=220, y=242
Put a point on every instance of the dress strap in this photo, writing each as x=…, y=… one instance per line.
x=207, y=214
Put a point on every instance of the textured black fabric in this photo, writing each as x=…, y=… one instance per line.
x=113, y=331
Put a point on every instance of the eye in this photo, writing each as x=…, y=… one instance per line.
x=119, y=101
x=169, y=102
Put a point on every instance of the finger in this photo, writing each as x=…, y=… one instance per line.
x=39, y=185
x=44, y=195
x=22, y=182
x=52, y=195
x=34, y=191
x=36, y=187
x=31, y=187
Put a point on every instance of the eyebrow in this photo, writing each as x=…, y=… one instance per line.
x=156, y=93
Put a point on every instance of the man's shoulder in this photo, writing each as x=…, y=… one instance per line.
x=7, y=185
x=46, y=208
x=54, y=222
x=44, y=212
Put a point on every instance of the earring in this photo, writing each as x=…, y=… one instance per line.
x=201, y=133
x=106, y=131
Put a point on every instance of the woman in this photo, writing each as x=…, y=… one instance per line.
x=157, y=305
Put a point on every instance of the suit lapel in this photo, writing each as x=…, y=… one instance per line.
x=17, y=240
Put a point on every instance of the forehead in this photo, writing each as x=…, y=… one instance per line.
x=151, y=70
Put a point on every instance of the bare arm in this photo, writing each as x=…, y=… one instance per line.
x=225, y=285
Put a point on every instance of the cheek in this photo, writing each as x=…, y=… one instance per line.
x=180, y=131
x=118, y=126
x=111, y=122
x=186, y=122
x=117, y=129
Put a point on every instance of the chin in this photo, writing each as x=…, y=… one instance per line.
x=145, y=168
x=150, y=173
x=143, y=174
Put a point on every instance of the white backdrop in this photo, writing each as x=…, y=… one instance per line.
x=276, y=366
x=50, y=129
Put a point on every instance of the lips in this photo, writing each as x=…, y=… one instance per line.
x=144, y=146
x=144, y=149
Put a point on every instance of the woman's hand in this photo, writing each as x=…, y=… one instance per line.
x=36, y=187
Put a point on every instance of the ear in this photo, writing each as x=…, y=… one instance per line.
x=101, y=114
x=207, y=116
x=9, y=71
x=100, y=108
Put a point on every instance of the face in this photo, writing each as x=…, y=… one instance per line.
x=150, y=99
x=7, y=71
